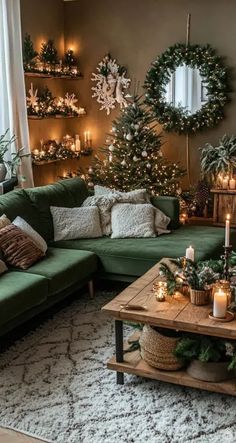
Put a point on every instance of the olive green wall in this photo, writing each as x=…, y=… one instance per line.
x=136, y=32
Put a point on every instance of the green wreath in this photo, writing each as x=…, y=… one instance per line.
x=215, y=76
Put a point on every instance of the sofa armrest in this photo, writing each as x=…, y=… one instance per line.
x=170, y=207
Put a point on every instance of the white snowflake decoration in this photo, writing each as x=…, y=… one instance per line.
x=111, y=83
x=33, y=98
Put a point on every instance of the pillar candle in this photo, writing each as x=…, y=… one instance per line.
x=190, y=253
x=227, y=230
x=225, y=183
x=220, y=304
x=232, y=183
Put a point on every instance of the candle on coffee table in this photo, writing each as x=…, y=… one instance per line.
x=220, y=304
x=189, y=254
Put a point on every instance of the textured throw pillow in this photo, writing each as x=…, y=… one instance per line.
x=161, y=222
x=27, y=229
x=129, y=220
x=18, y=249
x=104, y=204
x=136, y=196
x=72, y=223
x=4, y=221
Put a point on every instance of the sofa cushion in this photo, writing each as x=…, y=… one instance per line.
x=170, y=207
x=16, y=203
x=67, y=195
x=20, y=292
x=76, y=188
x=133, y=257
x=63, y=268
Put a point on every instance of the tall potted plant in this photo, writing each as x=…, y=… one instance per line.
x=15, y=159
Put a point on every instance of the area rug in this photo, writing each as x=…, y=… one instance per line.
x=54, y=384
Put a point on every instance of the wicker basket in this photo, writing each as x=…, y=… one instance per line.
x=158, y=350
x=199, y=298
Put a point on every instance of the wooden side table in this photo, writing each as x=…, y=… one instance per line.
x=224, y=203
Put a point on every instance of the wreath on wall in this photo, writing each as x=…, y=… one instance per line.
x=214, y=75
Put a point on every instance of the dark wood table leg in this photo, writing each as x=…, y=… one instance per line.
x=119, y=349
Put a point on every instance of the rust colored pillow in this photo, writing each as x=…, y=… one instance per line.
x=18, y=248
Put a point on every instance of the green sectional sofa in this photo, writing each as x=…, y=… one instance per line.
x=68, y=265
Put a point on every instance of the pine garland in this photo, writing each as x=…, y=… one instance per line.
x=215, y=76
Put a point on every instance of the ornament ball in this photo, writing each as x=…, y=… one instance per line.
x=111, y=148
x=135, y=159
x=144, y=154
x=129, y=137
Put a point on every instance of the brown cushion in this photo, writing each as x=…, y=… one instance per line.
x=18, y=248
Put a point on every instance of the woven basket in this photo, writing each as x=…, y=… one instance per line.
x=158, y=350
x=199, y=298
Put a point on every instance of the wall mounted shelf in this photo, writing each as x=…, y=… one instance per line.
x=52, y=76
x=57, y=117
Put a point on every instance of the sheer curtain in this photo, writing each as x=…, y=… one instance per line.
x=13, y=113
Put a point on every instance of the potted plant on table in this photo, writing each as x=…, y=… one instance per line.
x=15, y=159
x=208, y=358
x=219, y=161
x=197, y=276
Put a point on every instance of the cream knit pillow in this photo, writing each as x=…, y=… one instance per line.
x=72, y=223
x=129, y=220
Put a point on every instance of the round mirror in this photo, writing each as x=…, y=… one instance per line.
x=187, y=88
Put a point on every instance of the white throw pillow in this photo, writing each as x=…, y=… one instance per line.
x=104, y=204
x=72, y=223
x=129, y=220
x=136, y=196
x=161, y=222
x=37, y=239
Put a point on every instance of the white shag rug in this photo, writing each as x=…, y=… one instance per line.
x=54, y=384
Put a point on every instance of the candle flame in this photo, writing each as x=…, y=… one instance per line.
x=228, y=217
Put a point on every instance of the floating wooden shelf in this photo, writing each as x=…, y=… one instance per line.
x=51, y=76
x=56, y=117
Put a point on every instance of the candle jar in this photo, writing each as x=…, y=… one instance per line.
x=224, y=286
x=160, y=290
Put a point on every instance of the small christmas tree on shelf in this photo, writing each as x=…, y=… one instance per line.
x=29, y=54
x=132, y=158
x=48, y=53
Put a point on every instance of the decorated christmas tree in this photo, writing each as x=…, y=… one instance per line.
x=29, y=53
x=48, y=52
x=133, y=158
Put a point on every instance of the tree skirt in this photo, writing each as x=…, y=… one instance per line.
x=54, y=384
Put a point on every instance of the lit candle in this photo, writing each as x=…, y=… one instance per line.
x=225, y=182
x=36, y=152
x=190, y=253
x=232, y=183
x=227, y=230
x=220, y=304
x=85, y=137
x=73, y=147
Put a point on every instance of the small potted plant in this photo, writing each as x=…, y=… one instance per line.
x=197, y=276
x=219, y=160
x=208, y=358
x=15, y=159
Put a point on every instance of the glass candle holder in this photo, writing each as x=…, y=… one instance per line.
x=224, y=286
x=160, y=290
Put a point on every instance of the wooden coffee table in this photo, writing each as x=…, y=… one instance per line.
x=175, y=313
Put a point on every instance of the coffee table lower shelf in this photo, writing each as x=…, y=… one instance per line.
x=134, y=364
